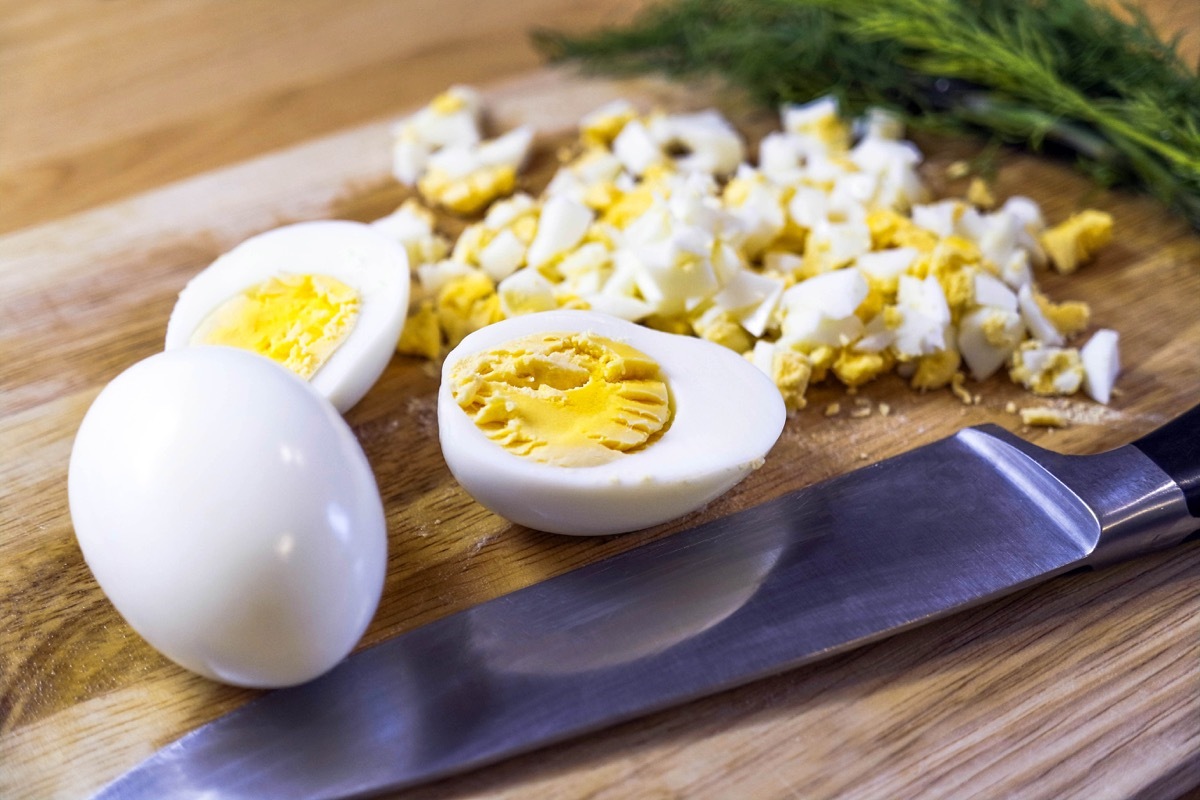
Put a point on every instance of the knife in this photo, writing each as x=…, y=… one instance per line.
x=814, y=572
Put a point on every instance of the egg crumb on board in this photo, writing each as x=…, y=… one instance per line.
x=826, y=258
x=1043, y=417
x=576, y=422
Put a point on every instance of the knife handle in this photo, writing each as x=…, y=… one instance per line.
x=1175, y=448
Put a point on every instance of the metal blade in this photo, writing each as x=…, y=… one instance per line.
x=816, y=571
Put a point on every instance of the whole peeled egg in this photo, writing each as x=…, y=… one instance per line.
x=230, y=515
x=327, y=299
x=578, y=422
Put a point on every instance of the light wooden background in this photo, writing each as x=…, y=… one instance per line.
x=1087, y=687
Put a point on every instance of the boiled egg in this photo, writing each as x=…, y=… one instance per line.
x=326, y=299
x=229, y=514
x=577, y=422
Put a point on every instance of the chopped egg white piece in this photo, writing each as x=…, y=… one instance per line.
x=887, y=265
x=1039, y=325
x=637, y=149
x=1101, y=364
x=502, y=256
x=413, y=227
x=711, y=143
x=561, y=226
x=451, y=119
x=924, y=317
x=987, y=337
x=752, y=298
x=993, y=293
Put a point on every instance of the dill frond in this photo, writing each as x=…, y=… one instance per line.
x=1021, y=71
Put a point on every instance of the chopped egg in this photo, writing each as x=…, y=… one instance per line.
x=637, y=149
x=709, y=142
x=466, y=178
x=412, y=226
x=561, y=226
x=601, y=126
x=326, y=299
x=660, y=220
x=581, y=423
x=422, y=334
x=1074, y=241
x=1101, y=365
x=1034, y=315
x=230, y=515
x=987, y=337
x=1047, y=370
x=450, y=119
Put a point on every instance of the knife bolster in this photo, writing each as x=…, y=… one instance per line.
x=1138, y=507
x=1175, y=448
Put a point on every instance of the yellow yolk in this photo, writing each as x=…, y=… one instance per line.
x=936, y=369
x=602, y=131
x=469, y=193
x=1069, y=317
x=791, y=371
x=568, y=399
x=1074, y=242
x=296, y=320
x=447, y=103
x=891, y=229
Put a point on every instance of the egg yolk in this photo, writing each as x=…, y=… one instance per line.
x=296, y=320
x=568, y=399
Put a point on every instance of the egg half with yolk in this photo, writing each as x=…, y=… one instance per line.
x=326, y=299
x=577, y=422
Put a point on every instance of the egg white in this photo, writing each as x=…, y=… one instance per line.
x=728, y=415
x=353, y=253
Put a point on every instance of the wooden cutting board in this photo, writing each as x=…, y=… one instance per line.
x=1088, y=686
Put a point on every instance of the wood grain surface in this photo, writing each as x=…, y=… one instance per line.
x=1088, y=686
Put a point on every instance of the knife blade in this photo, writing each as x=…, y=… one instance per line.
x=811, y=573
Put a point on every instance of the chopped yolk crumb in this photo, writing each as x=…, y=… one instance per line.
x=469, y=193
x=422, y=335
x=960, y=390
x=980, y=194
x=791, y=370
x=466, y=304
x=1043, y=417
x=1073, y=242
x=936, y=369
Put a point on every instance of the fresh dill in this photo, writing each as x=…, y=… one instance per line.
x=1027, y=72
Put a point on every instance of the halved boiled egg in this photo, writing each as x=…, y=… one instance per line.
x=326, y=299
x=581, y=423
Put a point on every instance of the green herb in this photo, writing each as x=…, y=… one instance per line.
x=1032, y=72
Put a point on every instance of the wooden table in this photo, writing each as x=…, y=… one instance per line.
x=119, y=123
